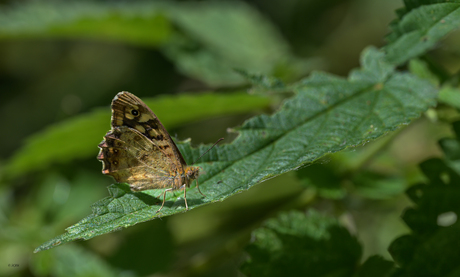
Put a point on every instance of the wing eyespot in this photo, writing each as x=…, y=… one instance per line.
x=135, y=112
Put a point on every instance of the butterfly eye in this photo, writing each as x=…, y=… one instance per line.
x=135, y=112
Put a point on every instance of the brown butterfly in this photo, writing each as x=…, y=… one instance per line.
x=139, y=151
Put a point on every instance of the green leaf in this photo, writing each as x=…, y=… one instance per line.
x=373, y=185
x=78, y=137
x=326, y=115
x=138, y=23
x=450, y=96
x=433, y=247
x=263, y=84
x=420, y=29
x=375, y=266
x=324, y=179
x=331, y=179
x=451, y=148
x=420, y=68
x=295, y=244
x=75, y=261
x=220, y=36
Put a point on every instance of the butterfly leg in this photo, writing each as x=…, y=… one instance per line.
x=164, y=198
x=185, y=198
x=199, y=188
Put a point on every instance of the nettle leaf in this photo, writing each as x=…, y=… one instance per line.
x=295, y=244
x=326, y=115
x=420, y=29
x=433, y=247
x=79, y=136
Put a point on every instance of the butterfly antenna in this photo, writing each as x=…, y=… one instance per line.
x=208, y=150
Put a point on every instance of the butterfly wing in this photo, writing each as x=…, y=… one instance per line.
x=138, y=150
x=131, y=158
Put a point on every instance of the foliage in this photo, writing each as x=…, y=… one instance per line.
x=336, y=155
x=198, y=49
x=321, y=118
x=298, y=244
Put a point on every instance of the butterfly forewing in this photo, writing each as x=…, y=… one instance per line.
x=129, y=110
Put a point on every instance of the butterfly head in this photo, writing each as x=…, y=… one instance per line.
x=192, y=172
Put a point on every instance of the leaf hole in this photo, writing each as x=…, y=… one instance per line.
x=446, y=219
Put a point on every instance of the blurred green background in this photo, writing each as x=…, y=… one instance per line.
x=63, y=59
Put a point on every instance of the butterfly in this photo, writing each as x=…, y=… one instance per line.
x=139, y=151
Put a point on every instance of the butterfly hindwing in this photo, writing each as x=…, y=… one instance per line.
x=131, y=158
